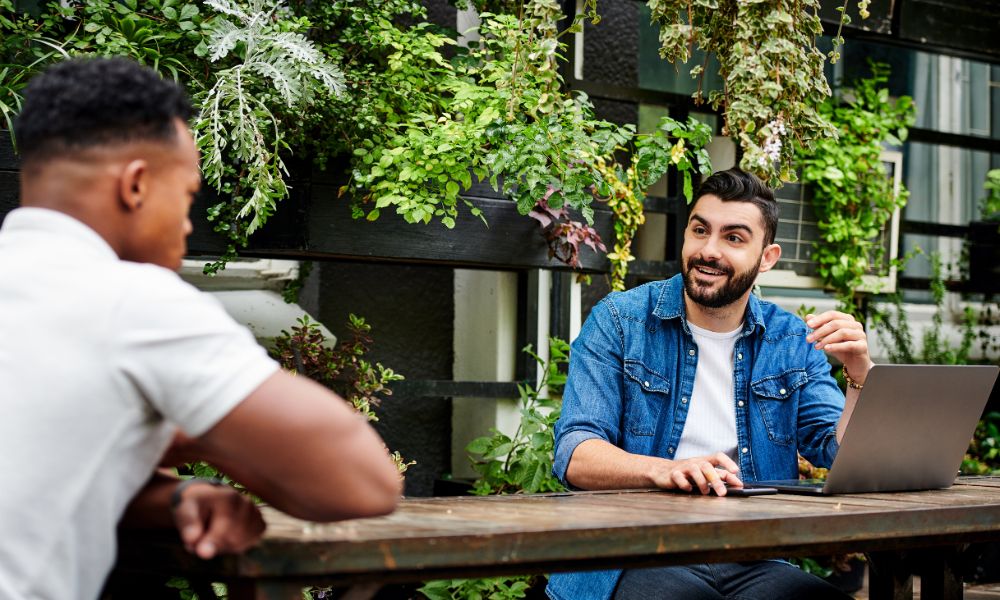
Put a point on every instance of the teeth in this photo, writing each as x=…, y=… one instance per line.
x=709, y=271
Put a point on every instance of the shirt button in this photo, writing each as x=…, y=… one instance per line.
x=645, y=383
x=684, y=400
x=691, y=352
x=745, y=450
x=781, y=391
x=739, y=356
x=740, y=403
x=670, y=449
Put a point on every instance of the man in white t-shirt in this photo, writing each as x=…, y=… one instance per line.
x=694, y=383
x=108, y=359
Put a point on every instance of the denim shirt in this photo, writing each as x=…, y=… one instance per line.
x=632, y=371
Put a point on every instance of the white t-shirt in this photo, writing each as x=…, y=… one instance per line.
x=101, y=360
x=711, y=421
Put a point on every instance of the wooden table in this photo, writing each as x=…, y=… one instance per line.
x=430, y=538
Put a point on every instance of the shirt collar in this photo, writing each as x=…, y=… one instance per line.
x=43, y=222
x=670, y=304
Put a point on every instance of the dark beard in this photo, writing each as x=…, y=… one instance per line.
x=734, y=288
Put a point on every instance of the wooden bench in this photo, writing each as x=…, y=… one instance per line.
x=429, y=538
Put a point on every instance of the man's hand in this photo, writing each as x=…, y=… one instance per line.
x=706, y=472
x=215, y=519
x=842, y=336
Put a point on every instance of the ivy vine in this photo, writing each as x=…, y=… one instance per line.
x=853, y=197
x=771, y=68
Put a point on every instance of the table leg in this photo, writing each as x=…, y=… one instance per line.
x=889, y=577
x=941, y=575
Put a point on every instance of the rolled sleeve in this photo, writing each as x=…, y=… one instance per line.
x=592, y=400
x=819, y=412
x=564, y=450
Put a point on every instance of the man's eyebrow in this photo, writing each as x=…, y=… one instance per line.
x=724, y=228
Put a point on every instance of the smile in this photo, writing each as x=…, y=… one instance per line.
x=709, y=271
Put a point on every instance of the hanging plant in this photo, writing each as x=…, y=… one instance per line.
x=771, y=69
x=366, y=79
x=624, y=188
x=502, y=116
x=853, y=196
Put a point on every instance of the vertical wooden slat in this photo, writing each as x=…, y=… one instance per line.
x=941, y=574
x=889, y=577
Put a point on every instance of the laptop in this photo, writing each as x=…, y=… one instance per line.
x=910, y=429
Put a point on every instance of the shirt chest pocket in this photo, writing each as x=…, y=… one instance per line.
x=778, y=401
x=645, y=394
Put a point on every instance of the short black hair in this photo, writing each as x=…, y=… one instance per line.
x=736, y=185
x=85, y=103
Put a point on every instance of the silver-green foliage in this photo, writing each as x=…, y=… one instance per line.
x=237, y=127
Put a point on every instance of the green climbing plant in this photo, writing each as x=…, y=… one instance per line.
x=990, y=209
x=853, y=196
x=624, y=188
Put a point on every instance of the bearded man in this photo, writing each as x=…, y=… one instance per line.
x=695, y=384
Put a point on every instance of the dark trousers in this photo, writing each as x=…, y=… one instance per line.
x=760, y=580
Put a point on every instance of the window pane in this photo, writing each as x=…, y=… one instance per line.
x=657, y=74
x=953, y=95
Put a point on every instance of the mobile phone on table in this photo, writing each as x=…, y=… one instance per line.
x=750, y=491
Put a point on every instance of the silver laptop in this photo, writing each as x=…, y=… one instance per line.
x=910, y=429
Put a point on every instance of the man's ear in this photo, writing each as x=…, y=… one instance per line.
x=133, y=184
x=769, y=258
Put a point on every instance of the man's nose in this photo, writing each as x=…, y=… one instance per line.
x=711, y=249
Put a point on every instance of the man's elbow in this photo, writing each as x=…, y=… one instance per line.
x=383, y=495
x=372, y=495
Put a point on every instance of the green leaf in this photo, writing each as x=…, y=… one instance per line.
x=833, y=173
x=188, y=11
x=478, y=446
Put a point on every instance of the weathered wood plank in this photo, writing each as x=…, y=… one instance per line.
x=465, y=536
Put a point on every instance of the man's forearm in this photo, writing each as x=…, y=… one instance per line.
x=598, y=465
x=859, y=373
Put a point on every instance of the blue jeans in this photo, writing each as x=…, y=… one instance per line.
x=761, y=580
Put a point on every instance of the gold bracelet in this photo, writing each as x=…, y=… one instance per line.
x=850, y=382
